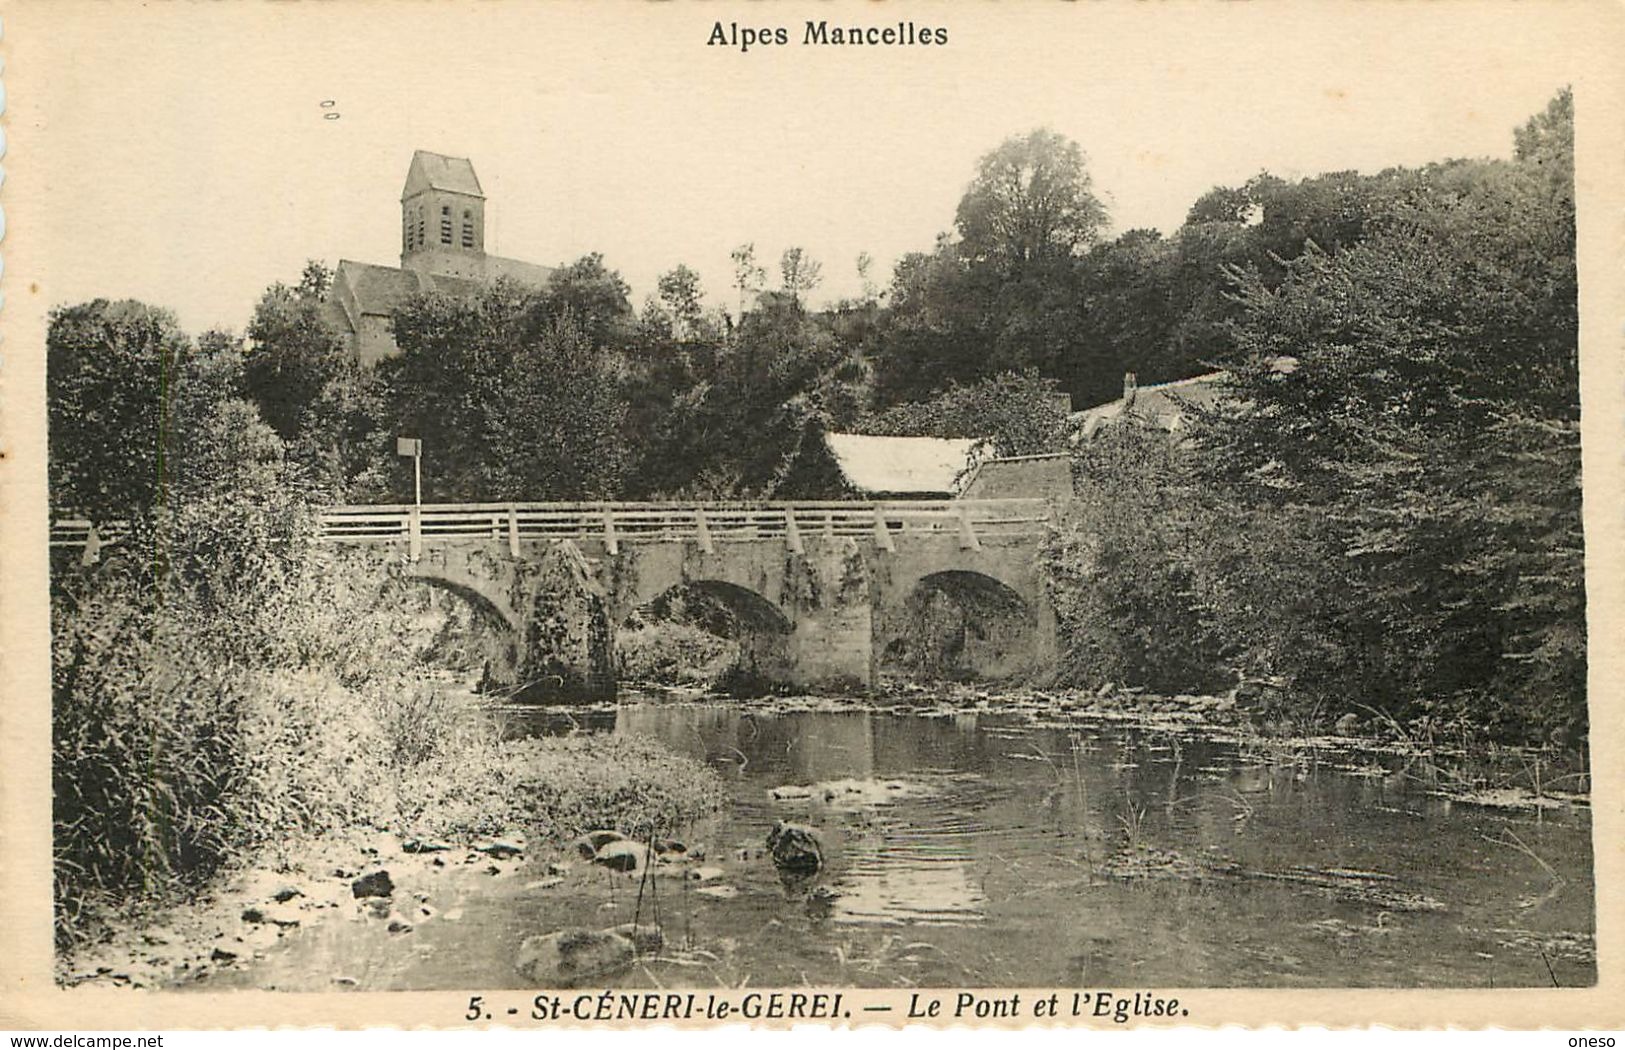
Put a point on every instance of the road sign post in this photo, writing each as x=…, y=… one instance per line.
x=405, y=446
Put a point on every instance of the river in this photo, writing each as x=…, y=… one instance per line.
x=975, y=848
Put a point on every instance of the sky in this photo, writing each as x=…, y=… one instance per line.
x=184, y=155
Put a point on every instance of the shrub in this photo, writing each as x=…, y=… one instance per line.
x=557, y=787
x=668, y=652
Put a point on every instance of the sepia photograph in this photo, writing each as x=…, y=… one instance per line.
x=750, y=513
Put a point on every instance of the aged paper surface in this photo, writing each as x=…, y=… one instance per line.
x=190, y=156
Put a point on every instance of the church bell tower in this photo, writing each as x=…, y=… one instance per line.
x=442, y=217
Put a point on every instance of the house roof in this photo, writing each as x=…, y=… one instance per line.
x=436, y=171
x=1046, y=475
x=901, y=465
x=1162, y=405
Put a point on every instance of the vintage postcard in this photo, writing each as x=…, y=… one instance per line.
x=547, y=515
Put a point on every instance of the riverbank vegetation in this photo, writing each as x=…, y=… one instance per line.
x=221, y=687
x=1381, y=511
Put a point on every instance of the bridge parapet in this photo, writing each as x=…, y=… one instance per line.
x=707, y=524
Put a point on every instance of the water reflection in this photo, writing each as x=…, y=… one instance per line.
x=981, y=849
x=1184, y=858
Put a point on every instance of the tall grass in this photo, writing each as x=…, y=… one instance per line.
x=235, y=688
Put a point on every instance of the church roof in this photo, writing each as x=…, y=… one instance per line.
x=380, y=289
x=530, y=273
x=436, y=171
x=915, y=466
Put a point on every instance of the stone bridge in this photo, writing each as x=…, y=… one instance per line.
x=826, y=595
x=821, y=595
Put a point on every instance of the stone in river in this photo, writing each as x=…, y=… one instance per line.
x=276, y=915
x=373, y=884
x=623, y=855
x=795, y=847
x=721, y=893
x=569, y=956
x=644, y=938
x=424, y=846
x=589, y=844
x=545, y=884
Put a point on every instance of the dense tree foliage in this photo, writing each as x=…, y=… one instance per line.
x=1384, y=509
x=292, y=352
x=509, y=394
x=1020, y=414
x=111, y=369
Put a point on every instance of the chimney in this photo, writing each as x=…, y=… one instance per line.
x=1129, y=387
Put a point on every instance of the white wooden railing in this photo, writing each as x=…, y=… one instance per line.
x=708, y=524
x=615, y=524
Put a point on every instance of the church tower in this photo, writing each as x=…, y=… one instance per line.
x=442, y=217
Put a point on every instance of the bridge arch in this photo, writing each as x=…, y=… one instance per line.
x=959, y=624
x=490, y=641
x=752, y=633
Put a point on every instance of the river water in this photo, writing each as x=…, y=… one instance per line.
x=980, y=849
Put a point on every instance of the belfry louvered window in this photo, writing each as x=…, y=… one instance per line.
x=445, y=224
x=468, y=228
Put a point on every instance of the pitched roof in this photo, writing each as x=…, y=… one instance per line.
x=1163, y=405
x=517, y=270
x=436, y=171
x=921, y=466
x=380, y=289
x=1046, y=475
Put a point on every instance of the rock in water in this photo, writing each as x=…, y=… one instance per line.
x=589, y=844
x=564, y=958
x=645, y=939
x=622, y=855
x=373, y=884
x=795, y=847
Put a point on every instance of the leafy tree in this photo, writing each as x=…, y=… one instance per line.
x=681, y=293
x=1006, y=295
x=511, y=398
x=1021, y=413
x=1031, y=200
x=112, y=369
x=446, y=385
x=292, y=351
x=748, y=274
x=558, y=432
x=595, y=297
x=801, y=273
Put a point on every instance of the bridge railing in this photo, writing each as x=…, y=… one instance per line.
x=708, y=524
x=614, y=524
x=83, y=533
